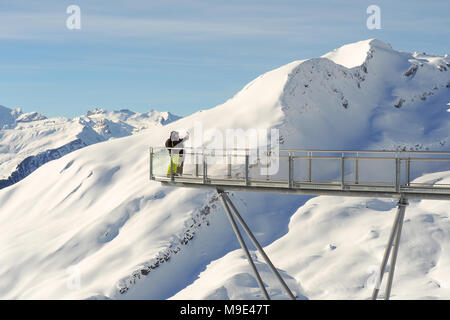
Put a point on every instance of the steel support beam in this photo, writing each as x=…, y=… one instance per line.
x=394, y=236
x=258, y=246
x=402, y=207
x=308, y=191
x=243, y=245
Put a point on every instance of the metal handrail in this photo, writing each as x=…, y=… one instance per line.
x=286, y=153
x=401, y=175
x=307, y=150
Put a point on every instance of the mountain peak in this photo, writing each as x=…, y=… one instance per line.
x=354, y=54
x=95, y=111
x=30, y=116
x=379, y=43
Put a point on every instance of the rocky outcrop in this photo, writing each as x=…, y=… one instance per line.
x=31, y=163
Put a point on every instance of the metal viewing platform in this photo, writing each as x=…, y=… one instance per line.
x=357, y=173
x=311, y=172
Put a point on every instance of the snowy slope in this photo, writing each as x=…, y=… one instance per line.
x=36, y=139
x=95, y=211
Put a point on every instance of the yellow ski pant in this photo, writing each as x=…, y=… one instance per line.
x=175, y=164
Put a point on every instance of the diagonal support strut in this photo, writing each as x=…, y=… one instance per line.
x=255, y=242
x=243, y=245
x=394, y=241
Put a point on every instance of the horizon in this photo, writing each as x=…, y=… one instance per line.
x=149, y=56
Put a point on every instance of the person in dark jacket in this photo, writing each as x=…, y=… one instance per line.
x=175, y=146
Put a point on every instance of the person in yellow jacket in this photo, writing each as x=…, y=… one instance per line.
x=175, y=146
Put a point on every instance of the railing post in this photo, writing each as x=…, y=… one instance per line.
x=151, y=163
x=342, y=171
x=247, y=181
x=357, y=169
x=291, y=171
x=397, y=173
x=408, y=171
x=197, y=165
x=205, y=169
x=258, y=159
x=172, y=176
x=229, y=166
x=310, y=166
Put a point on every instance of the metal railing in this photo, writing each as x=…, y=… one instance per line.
x=354, y=172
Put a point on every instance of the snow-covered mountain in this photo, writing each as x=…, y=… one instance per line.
x=94, y=216
x=28, y=140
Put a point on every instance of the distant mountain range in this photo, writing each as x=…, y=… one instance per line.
x=28, y=140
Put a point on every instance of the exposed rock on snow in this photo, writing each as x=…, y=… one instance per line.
x=31, y=116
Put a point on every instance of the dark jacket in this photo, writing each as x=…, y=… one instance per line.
x=173, y=144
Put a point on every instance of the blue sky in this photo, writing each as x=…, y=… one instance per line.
x=183, y=55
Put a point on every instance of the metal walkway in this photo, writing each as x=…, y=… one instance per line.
x=385, y=174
